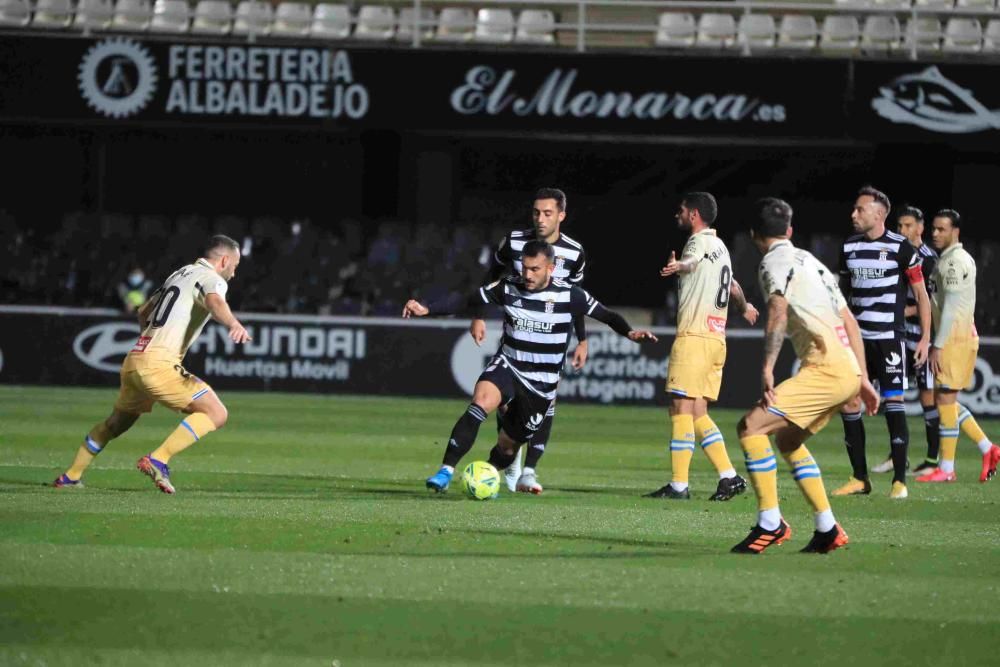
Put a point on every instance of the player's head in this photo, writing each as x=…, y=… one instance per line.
x=537, y=264
x=870, y=210
x=771, y=221
x=910, y=222
x=548, y=212
x=945, y=228
x=697, y=211
x=224, y=254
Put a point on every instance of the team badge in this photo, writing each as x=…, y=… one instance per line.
x=550, y=306
x=883, y=255
x=560, y=262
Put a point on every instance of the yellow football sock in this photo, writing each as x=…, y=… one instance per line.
x=92, y=445
x=191, y=430
x=949, y=435
x=681, y=446
x=763, y=469
x=712, y=443
x=807, y=475
x=970, y=427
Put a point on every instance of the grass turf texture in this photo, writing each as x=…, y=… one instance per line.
x=301, y=534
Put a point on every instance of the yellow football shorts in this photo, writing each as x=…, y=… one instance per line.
x=810, y=398
x=695, y=368
x=143, y=384
x=958, y=365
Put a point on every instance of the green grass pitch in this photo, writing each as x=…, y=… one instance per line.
x=301, y=534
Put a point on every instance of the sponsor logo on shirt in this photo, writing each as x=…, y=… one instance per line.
x=716, y=324
x=532, y=326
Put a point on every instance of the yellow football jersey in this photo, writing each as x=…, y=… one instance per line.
x=814, y=304
x=953, y=297
x=703, y=303
x=180, y=313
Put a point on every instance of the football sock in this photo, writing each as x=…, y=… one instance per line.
x=854, y=438
x=534, y=454
x=463, y=436
x=500, y=460
x=970, y=427
x=899, y=438
x=932, y=425
x=713, y=445
x=762, y=468
x=949, y=436
x=528, y=470
x=825, y=521
x=93, y=444
x=808, y=477
x=192, y=429
x=681, y=449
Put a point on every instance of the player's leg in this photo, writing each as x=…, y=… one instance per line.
x=528, y=480
x=851, y=414
x=771, y=529
x=854, y=438
x=513, y=471
x=790, y=440
x=947, y=404
x=93, y=444
x=205, y=413
x=713, y=444
x=893, y=384
x=681, y=450
x=486, y=397
x=932, y=421
x=990, y=452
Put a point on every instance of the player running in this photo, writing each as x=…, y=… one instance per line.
x=956, y=344
x=171, y=320
x=524, y=374
x=548, y=213
x=877, y=265
x=699, y=351
x=802, y=298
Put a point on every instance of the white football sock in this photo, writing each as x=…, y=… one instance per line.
x=769, y=519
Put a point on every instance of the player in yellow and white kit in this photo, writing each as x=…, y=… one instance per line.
x=804, y=299
x=699, y=350
x=956, y=344
x=171, y=320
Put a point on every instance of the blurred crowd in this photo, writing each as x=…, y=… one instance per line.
x=295, y=266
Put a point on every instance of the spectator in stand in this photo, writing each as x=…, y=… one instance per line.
x=134, y=290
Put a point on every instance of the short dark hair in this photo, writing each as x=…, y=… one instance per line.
x=704, y=203
x=772, y=217
x=220, y=243
x=877, y=195
x=951, y=214
x=552, y=193
x=911, y=211
x=534, y=248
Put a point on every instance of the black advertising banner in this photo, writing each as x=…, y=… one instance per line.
x=381, y=357
x=914, y=102
x=152, y=80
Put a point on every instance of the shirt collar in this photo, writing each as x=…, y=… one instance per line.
x=708, y=230
x=204, y=262
x=779, y=244
x=951, y=248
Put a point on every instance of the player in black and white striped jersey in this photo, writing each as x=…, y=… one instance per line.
x=877, y=265
x=524, y=375
x=910, y=223
x=548, y=213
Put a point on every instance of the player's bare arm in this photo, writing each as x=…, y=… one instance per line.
x=869, y=396
x=774, y=338
x=675, y=266
x=739, y=300
x=222, y=314
x=924, y=312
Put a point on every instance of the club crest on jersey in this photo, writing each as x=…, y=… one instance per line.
x=560, y=262
x=550, y=306
x=883, y=255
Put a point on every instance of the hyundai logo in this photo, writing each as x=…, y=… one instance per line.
x=104, y=346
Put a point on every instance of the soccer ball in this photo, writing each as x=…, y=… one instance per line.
x=480, y=480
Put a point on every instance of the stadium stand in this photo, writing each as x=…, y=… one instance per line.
x=212, y=17
x=132, y=16
x=330, y=21
x=53, y=14
x=170, y=16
